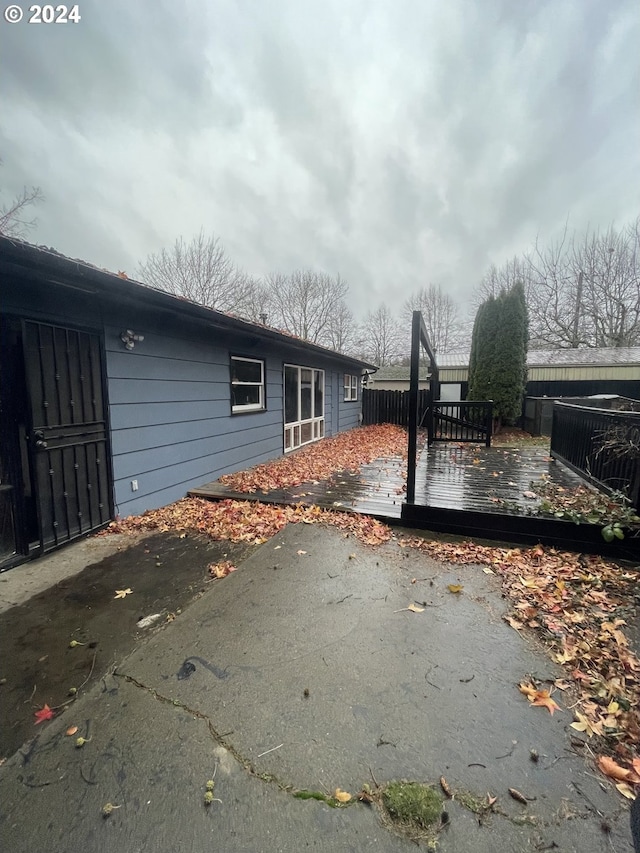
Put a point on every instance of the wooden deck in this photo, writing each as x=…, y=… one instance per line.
x=378, y=490
x=468, y=490
x=489, y=479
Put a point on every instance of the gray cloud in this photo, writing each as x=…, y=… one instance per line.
x=397, y=144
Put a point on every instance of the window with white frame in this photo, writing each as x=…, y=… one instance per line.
x=303, y=405
x=247, y=384
x=351, y=382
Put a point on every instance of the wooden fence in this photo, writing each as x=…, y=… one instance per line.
x=592, y=442
x=391, y=407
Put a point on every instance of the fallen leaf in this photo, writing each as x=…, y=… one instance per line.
x=487, y=570
x=71, y=730
x=455, y=587
x=491, y=801
x=612, y=769
x=45, y=713
x=626, y=790
x=539, y=697
x=222, y=569
x=415, y=609
x=445, y=787
x=544, y=700
x=518, y=796
x=123, y=593
x=341, y=796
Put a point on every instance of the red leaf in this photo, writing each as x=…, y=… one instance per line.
x=43, y=714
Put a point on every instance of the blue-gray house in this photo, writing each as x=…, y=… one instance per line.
x=116, y=397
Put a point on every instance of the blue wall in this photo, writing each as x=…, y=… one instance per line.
x=169, y=397
x=170, y=409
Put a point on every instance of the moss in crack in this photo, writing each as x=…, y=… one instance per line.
x=412, y=803
x=332, y=802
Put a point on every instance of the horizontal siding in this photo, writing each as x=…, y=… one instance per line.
x=170, y=369
x=171, y=420
x=177, y=450
x=560, y=373
x=349, y=415
x=453, y=374
x=136, y=391
x=127, y=416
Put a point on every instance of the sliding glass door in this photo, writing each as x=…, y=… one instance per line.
x=303, y=405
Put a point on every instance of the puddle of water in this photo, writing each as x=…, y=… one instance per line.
x=165, y=573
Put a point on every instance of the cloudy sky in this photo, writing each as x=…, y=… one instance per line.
x=398, y=143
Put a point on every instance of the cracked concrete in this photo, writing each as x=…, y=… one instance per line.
x=391, y=693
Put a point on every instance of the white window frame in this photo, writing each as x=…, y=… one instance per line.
x=314, y=425
x=249, y=407
x=351, y=382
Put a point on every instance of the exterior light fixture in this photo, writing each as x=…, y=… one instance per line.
x=130, y=339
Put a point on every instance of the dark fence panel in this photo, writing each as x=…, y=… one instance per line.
x=391, y=407
x=589, y=441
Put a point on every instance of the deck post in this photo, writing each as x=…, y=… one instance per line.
x=412, y=420
x=489, y=423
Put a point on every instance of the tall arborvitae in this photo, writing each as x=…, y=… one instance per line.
x=483, y=346
x=498, y=363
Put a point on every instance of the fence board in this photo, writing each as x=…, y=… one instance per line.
x=390, y=407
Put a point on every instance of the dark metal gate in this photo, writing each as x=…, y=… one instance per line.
x=463, y=421
x=67, y=438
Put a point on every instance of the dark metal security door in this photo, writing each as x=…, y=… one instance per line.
x=68, y=431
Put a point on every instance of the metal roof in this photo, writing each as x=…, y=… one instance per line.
x=50, y=266
x=592, y=357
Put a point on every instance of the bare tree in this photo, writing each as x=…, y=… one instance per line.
x=586, y=292
x=342, y=335
x=440, y=315
x=308, y=304
x=581, y=291
x=502, y=278
x=382, y=339
x=202, y=272
x=14, y=221
x=610, y=269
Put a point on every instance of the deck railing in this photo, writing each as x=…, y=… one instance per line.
x=602, y=446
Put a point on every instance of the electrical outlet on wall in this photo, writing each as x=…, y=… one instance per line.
x=134, y=485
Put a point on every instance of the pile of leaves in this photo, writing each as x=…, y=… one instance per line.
x=318, y=461
x=247, y=521
x=514, y=437
x=579, y=605
x=584, y=505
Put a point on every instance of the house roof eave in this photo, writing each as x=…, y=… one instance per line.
x=49, y=265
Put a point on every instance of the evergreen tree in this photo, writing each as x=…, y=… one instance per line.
x=498, y=363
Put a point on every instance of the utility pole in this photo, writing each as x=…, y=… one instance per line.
x=575, y=339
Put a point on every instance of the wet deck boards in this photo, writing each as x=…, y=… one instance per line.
x=488, y=479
